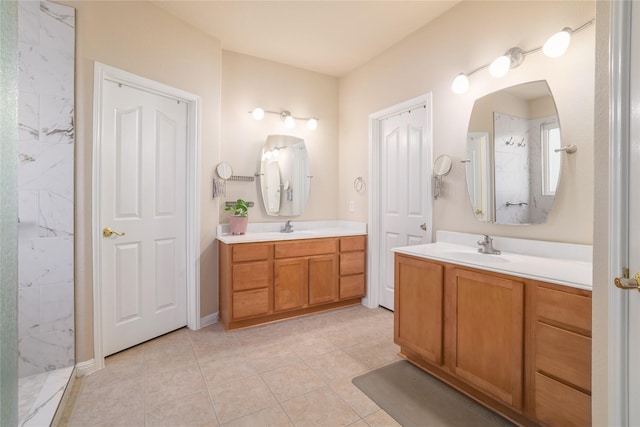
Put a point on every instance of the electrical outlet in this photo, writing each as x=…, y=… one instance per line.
x=352, y=206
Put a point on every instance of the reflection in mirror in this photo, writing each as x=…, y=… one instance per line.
x=511, y=167
x=441, y=168
x=284, y=173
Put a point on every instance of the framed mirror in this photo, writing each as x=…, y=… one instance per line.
x=284, y=175
x=512, y=170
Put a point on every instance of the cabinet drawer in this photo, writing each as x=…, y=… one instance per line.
x=352, y=286
x=250, y=303
x=251, y=275
x=564, y=355
x=354, y=243
x=352, y=263
x=301, y=248
x=565, y=308
x=561, y=405
x=252, y=252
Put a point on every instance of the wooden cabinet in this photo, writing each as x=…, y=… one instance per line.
x=562, y=361
x=263, y=282
x=486, y=333
x=519, y=346
x=352, y=267
x=418, y=307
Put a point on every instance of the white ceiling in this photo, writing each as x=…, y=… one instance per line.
x=329, y=37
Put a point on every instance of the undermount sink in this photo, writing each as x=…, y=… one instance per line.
x=475, y=257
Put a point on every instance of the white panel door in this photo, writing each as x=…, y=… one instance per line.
x=633, y=380
x=142, y=197
x=404, y=177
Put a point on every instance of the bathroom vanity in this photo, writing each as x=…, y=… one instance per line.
x=267, y=275
x=512, y=331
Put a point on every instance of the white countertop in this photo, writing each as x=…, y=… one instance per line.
x=560, y=263
x=270, y=231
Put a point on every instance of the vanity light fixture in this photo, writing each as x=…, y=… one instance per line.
x=554, y=47
x=286, y=116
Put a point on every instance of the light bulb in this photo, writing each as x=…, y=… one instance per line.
x=312, y=124
x=460, y=84
x=500, y=66
x=558, y=43
x=289, y=122
x=258, y=113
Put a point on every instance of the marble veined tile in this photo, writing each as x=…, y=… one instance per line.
x=45, y=166
x=45, y=352
x=56, y=307
x=29, y=311
x=55, y=213
x=44, y=409
x=29, y=22
x=46, y=261
x=28, y=216
x=28, y=117
x=45, y=71
x=57, y=27
x=56, y=120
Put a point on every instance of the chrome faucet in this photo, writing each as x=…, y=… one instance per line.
x=288, y=228
x=486, y=246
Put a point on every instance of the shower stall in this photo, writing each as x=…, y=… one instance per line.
x=37, y=294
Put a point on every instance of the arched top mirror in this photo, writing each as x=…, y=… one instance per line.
x=284, y=175
x=512, y=170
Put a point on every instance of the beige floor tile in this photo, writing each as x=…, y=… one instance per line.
x=348, y=335
x=272, y=356
x=335, y=366
x=132, y=355
x=355, y=398
x=168, y=358
x=272, y=416
x=114, y=373
x=194, y=410
x=180, y=336
x=105, y=404
x=217, y=347
x=167, y=386
x=381, y=419
x=313, y=345
x=291, y=381
x=359, y=423
x=373, y=354
x=240, y=398
x=321, y=407
x=222, y=371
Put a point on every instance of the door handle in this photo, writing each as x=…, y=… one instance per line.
x=628, y=283
x=424, y=226
x=108, y=232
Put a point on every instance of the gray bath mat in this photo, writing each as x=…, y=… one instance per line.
x=414, y=398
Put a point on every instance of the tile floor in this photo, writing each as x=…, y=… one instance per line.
x=292, y=373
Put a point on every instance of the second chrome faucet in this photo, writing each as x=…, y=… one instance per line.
x=287, y=228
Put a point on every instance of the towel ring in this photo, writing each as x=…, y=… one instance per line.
x=358, y=184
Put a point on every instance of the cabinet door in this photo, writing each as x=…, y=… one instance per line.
x=323, y=279
x=290, y=283
x=418, y=307
x=487, y=333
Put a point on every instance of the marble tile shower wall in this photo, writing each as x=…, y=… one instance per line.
x=46, y=34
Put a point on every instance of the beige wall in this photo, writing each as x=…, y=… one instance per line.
x=468, y=36
x=601, y=390
x=249, y=82
x=143, y=39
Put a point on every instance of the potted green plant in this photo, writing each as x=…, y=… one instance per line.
x=238, y=222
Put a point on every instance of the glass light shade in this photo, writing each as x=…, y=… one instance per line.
x=258, y=113
x=312, y=124
x=289, y=122
x=500, y=66
x=557, y=44
x=460, y=84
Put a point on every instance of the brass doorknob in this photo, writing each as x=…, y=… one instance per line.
x=108, y=232
x=628, y=283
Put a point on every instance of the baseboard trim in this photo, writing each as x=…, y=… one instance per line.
x=209, y=320
x=85, y=368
